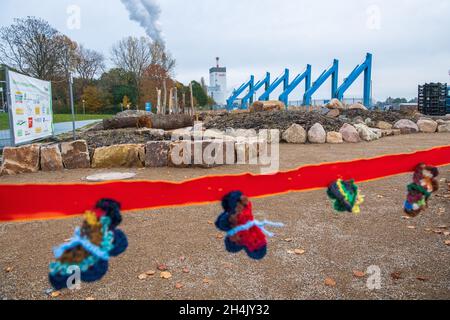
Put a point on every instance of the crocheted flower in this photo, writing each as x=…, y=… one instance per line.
x=424, y=184
x=91, y=246
x=243, y=231
x=346, y=196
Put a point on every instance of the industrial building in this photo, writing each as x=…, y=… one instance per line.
x=218, y=84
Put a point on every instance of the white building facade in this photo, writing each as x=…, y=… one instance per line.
x=218, y=84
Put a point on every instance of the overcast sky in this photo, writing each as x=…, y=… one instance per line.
x=409, y=39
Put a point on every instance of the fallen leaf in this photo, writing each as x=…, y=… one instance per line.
x=447, y=233
x=406, y=217
x=290, y=251
x=210, y=222
x=422, y=278
x=207, y=281
x=437, y=231
x=150, y=273
x=179, y=286
x=396, y=275
x=162, y=267
x=67, y=240
x=329, y=282
x=447, y=242
x=299, y=252
x=142, y=276
x=219, y=236
x=186, y=270
x=359, y=274
x=8, y=269
x=55, y=294
x=288, y=240
x=90, y=299
x=166, y=275
x=428, y=229
x=442, y=227
x=380, y=196
x=411, y=227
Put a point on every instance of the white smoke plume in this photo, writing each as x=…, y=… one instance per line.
x=147, y=14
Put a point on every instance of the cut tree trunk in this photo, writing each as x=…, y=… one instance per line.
x=164, y=122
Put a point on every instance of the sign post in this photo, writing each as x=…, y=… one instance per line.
x=72, y=107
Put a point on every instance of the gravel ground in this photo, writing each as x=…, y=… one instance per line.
x=335, y=245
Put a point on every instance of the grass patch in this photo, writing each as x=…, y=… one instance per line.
x=57, y=118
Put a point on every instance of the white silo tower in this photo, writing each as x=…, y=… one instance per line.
x=218, y=83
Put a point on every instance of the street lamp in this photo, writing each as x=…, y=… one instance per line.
x=84, y=109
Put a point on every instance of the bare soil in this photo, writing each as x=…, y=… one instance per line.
x=411, y=253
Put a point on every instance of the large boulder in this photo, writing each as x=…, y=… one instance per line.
x=357, y=106
x=295, y=134
x=444, y=127
x=406, y=126
x=317, y=134
x=75, y=155
x=51, y=159
x=366, y=134
x=259, y=106
x=427, y=125
x=334, y=138
x=202, y=154
x=349, y=133
x=383, y=125
x=157, y=154
x=18, y=160
x=125, y=155
x=335, y=104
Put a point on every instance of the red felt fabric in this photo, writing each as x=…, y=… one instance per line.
x=51, y=201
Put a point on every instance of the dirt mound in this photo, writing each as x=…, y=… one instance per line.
x=281, y=120
x=387, y=116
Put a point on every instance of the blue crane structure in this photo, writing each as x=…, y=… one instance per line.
x=306, y=75
x=288, y=87
x=331, y=72
x=365, y=67
x=283, y=79
x=248, y=99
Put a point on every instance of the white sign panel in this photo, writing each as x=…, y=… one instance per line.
x=31, y=108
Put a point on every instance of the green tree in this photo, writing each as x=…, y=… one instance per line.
x=199, y=94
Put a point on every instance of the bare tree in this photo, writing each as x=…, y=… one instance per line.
x=67, y=60
x=30, y=45
x=133, y=55
x=89, y=64
x=163, y=58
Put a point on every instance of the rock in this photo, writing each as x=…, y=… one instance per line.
x=444, y=128
x=383, y=125
x=335, y=104
x=358, y=120
x=391, y=132
x=51, y=159
x=441, y=122
x=23, y=159
x=157, y=154
x=203, y=154
x=259, y=106
x=333, y=113
x=75, y=155
x=427, y=125
x=369, y=122
x=125, y=155
x=357, y=106
x=295, y=134
x=365, y=133
x=349, y=133
x=334, y=137
x=317, y=134
x=406, y=126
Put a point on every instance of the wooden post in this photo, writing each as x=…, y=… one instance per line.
x=184, y=103
x=192, y=112
x=171, y=101
x=177, y=107
x=165, y=97
x=158, y=104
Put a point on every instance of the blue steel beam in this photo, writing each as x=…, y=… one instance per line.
x=366, y=67
x=284, y=97
x=238, y=91
x=284, y=78
x=248, y=99
x=333, y=72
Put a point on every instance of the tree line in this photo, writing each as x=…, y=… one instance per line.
x=140, y=67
